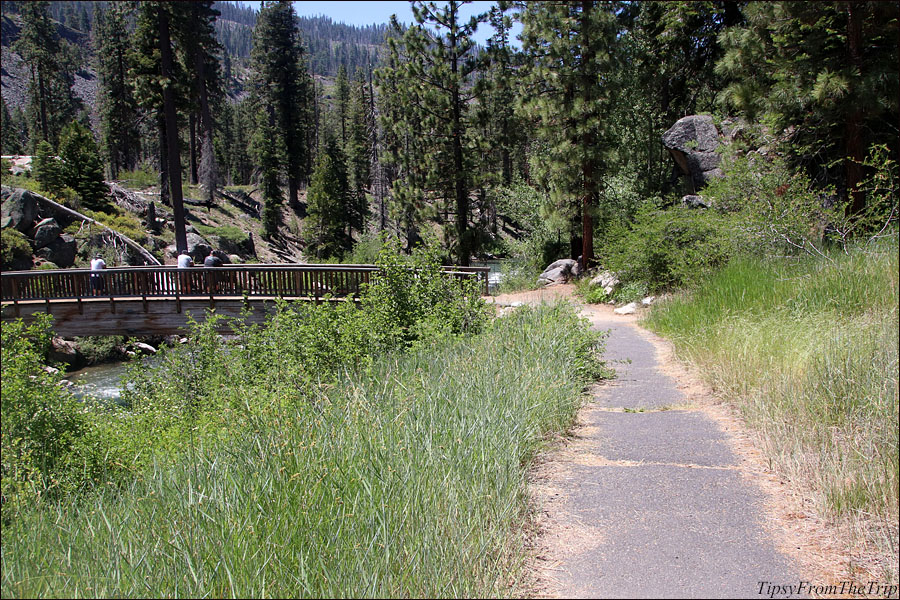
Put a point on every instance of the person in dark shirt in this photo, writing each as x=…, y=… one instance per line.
x=209, y=262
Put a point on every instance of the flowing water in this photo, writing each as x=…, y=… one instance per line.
x=103, y=381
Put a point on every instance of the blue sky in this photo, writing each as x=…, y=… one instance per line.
x=370, y=13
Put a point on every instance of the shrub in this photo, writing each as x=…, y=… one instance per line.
x=15, y=250
x=41, y=421
x=669, y=248
x=97, y=349
x=777, y=210
x=592, y=294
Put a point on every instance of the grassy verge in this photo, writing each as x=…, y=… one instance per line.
x=809, y=352
x=403, y=478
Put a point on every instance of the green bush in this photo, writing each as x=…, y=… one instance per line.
x=97, y=349
x=518, y=275
x=15, y=250
x=592, y=294
x=41, y=421
x=669, y=248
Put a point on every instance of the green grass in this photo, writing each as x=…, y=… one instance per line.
x=403, y=479
x=808, y=350
x=139, y=179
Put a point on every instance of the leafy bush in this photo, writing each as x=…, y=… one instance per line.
x=669, y=248
x=631, y=292
x=97, y=349
x=41, y=421
x=778, y=211
x=15, y=250
x=545, y=231
x=517, y=275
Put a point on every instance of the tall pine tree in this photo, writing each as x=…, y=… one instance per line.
x=280, y=87
x=570, y=46
x=118, y=109
x=434, y=61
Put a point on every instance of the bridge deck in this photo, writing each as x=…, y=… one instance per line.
x=156, y=300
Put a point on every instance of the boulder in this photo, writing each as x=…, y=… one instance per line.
x=648, y=300
x=692, y=141
x=243, y=247
x=66, y=352
x=694, y=201
x=627, y=309
x=45, y=232
x=20, y=210
x=145, y=348
x=558, y=272
x=197, y=247
x=60, y=251
x=606, y=280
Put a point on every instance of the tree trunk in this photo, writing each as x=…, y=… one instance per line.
x=587, y=167
x=192, y=143
x=853, y=133
x=210, y=169
x=459, y=176
x=164, y=195
x=174, y=160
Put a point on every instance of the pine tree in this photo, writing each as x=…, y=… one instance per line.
x=82, y=167
x=52, y=102
x=200, y=50
x=118, y=109
x=328, y=197
x=358, y=150
x=280, y=85
x=570, y=47
x=269, y=161
x=47, y=169
x=160, y=86
x=12, y=130
x=828, y=71
x=342, y=98
x=433, y=77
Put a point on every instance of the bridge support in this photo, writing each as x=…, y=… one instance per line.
x=135, y=316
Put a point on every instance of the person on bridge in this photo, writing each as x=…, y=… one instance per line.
x=185, y=262
x=210, y=262
x=97, y=282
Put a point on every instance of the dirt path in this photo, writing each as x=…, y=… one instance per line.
x=658, y=491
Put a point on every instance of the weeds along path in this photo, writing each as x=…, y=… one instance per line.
x=656, y=492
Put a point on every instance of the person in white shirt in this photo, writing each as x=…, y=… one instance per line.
x=185, y=262
x=97, y=281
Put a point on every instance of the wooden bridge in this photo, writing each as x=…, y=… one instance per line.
x=139, y=301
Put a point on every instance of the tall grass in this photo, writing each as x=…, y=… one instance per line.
x=406, y=479
x=809, y=352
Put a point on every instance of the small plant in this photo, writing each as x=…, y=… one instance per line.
x=15, y=250
x=630, y=292
x=592, y=294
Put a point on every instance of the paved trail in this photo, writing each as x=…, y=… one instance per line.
x=647, y=499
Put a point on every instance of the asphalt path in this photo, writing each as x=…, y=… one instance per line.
x=649, y=500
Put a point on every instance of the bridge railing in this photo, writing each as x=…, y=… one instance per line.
x=288, y=281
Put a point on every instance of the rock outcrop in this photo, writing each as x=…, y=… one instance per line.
x=560, y=271
x=692, y=141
